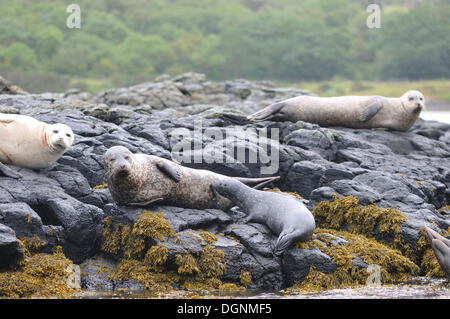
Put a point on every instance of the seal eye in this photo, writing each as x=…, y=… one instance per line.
x=411, y=98
x=55, y=131
x=127, y=158
x=68, y=135
x=421, y=98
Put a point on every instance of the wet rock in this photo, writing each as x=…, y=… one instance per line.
x=404, y=170
x=10, y=250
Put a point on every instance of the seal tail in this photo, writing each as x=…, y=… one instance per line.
x=266, y=112
x=257, y=183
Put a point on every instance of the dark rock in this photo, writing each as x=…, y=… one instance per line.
x=404, y=170
x=10, y=250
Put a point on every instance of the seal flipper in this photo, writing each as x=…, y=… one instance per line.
x=143, y=204
x=257, y=183
x=284, y=242
x=169, y=171
x=6, y=171
x=266, y=112
x=371, y=110
x=442, y=253
x=441, y=248
x=5, y=119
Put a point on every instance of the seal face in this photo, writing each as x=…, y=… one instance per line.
x=141, y=180
x=29, y=143
x=283, y=214
x=441, y=248
x=348, y=111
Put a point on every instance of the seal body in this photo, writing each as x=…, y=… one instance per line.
x=285, y=215
x=140, y=179
x=441, y=248
x=348, y=111
x=27, y=142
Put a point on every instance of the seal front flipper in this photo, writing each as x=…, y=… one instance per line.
x=6, y=171
x=267, y=112
x=5, y=120
x=169, y=171
x=371, y=110
x=143, y=204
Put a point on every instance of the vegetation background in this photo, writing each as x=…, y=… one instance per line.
x=320, y=45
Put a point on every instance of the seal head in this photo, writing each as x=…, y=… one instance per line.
x=58, y=138
x=413, y=101
x=118, y=161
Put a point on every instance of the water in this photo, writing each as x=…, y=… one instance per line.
x=441, y=116
x=419, y=288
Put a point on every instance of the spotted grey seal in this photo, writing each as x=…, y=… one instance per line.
x=348, y=111
x=140, y=180
x=285, y=215
x=29, y=143
x=441, y=248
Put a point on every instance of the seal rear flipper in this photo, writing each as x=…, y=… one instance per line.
x=169, y=171
x=257, y=183
x=431, y=234
x=371, y=110
x=285, y=240
x=6, y=171
x=267, y=112
x=442, y=253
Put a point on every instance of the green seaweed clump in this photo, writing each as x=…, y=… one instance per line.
x=208, y=237
x=394, y=267
x=211, y=268
x=246, y=278
x=101, y=186
x=153, y=225
x=132, y=241
x=187, y=264
x=344, y=213
x=32, y=245
x=40, y=276
x=148, y=266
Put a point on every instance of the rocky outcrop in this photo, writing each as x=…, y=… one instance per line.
x=408, y=171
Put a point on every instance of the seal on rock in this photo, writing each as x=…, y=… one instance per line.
x=30, y=143
x=140, y=180
x=441, y=248
x=285, y=215
x=348, y=111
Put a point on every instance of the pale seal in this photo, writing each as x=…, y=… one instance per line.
x=285, y=215
x=29, y=143
x=441, y=248
x=141, y=180
x=348, y=111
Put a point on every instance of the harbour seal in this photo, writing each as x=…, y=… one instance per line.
x=348, y=111
x=29, y=143
x=441, y=248
x=141, y=180
x=285, y=215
